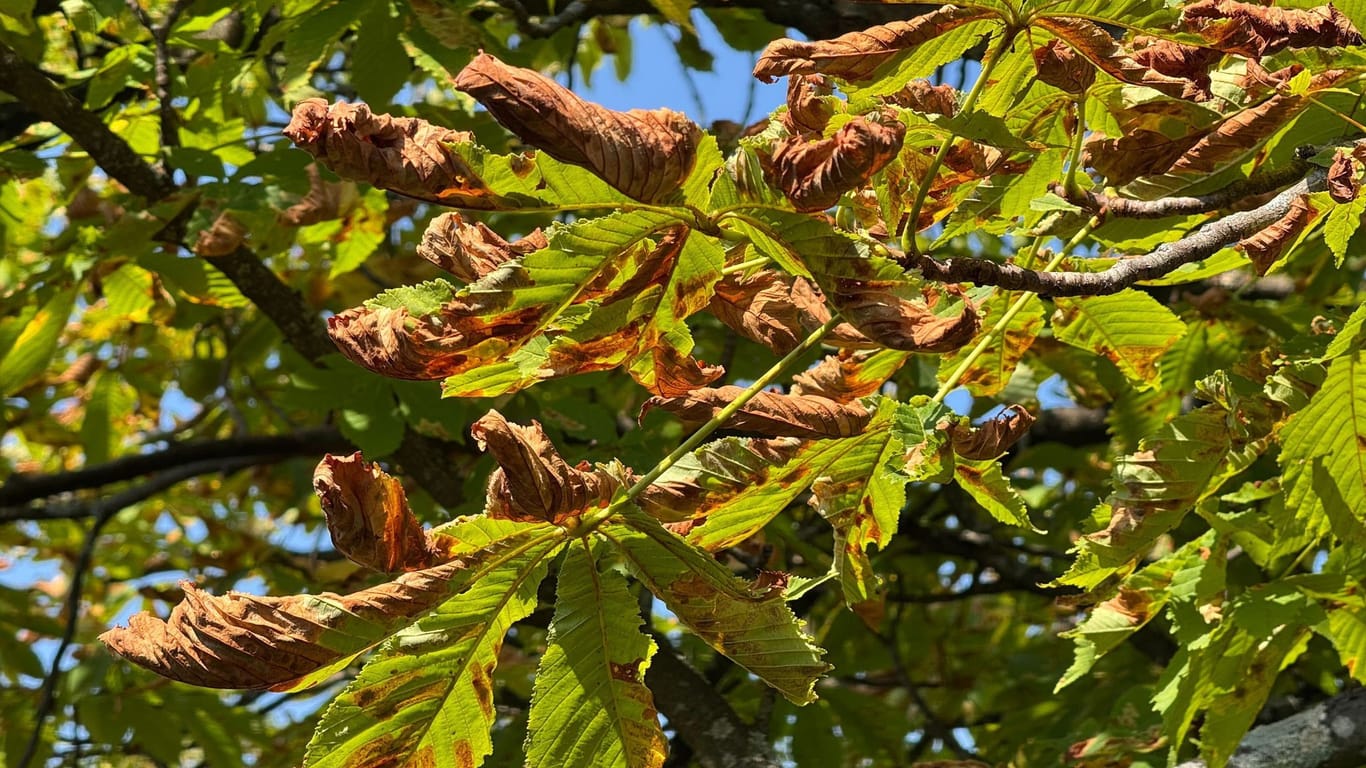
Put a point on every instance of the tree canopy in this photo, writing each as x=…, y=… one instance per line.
x=372, y=397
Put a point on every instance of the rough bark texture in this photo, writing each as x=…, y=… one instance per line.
x=1330, y=734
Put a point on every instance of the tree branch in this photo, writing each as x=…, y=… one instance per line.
x=23, y=488
x=1235, y=193
x=1330, y=734
x=1200, y=244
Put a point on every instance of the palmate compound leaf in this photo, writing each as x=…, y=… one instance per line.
x=1323, y=453
x=1130, y=328
x=590, y=705
x=749, y=623
x=296, y=642
x=426, y=697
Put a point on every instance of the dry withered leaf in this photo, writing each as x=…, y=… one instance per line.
x=813, y=174
x=876, y=311
x=471, y=250
x=841, y=377
x=533, y=483
x=1343, y=185
x=1254, y=31
x=921, y=96
x=712, y=476
x=1109, y=55
x=401, y=154
x=222, y=238
x=1266, y=246
x=1061, y=67
x=807, y=110
x=245, y=641
x=1244, y=130
x=394, y=343
x=1137, y=153
x=768, y=413
x=856, y=55
x=991, y=438
x=770, y=307
x=645, y=154
x=1189, y=62
x=369, y=519
x=322, y=203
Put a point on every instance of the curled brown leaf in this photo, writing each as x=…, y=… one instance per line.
x=646, y=155
x=471, y=250
x=1266, y=246
x=921, y=96
x=813, y=174
x=807, y=109
x=770, y=307
x=369, y=519
x=1137, y=153
x=1254, y=31
x=1061, y=67
x=856, y=55
x=533, y=483
x=222, y=238
x=875, y=309
x=768, y=413
x=712, y=476
x=1187, y=62
x=992, y=438
x=401, y=154
x=841, y=377
x=1110, y=56
x=246, y=641
x=322, y=203
x=1343, y=185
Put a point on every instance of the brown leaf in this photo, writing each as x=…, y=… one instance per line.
x=712, y=476
x=807, y=109
x=813, y=174
x=393, y=343
x=768, y=413
x=1243, y=131
x=879, y=313
x=646, y=155
x=1254, y=31
x=401, y=154
x=770, y=307
x=1103, y=50
x=224, y=237
x=1187, y=62
x=245, y=641
x=856, y=55
x=1342, y=178
x=369, y=519
x=1266, y=246
x=533, y=483
x=1061, y=67
x=1137, y=153
x=992, y=438
x=470, y=251
x=842, y=377
x=322, y=203
x=921, y=96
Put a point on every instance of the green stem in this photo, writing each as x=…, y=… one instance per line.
x=993, y=56
x=1074, y=158
x=1015, y=308
x=744, y=265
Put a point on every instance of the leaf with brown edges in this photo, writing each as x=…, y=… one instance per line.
x=401, y=154
x=646, y=155
x=1061, y=67
x=533, y=483
x=1096, y=44
x=770, y=307
x=856, y=55
x=923, y=97
x=1254, y=31
x=808, y=111
x=768, y=413
x=848, y=375
x=223, y=237
x=369, y=519
x=472, y=250
x=991, y=438
x=1266, y=246
x=1173, y=59
x=879, y=311
x=814, y=174
x=1342, y=182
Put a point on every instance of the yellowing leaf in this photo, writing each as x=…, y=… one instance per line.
x=1323, y=453
x=1130, y=328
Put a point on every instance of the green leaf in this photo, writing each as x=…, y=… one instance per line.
x=420, y=299
x=1342, y=222
x=1130, y=328
x=988, y=486
x=1323, y=453
x=379, y=66
x=426, y=698
x=110, y=399
x=128, y=292
x=35, y=336
x=590, y=705
x=991, y=371
x=1351, y=337
x=749, y=623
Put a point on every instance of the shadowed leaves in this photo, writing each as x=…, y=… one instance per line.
x=813, y=174
x=768, y=413
x=369, y=519
x=533, y=483
x=857, y=55
x=223, y=237
x=1253, y=30
x=646, y=155
x=402, y=154
x=472, y=250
